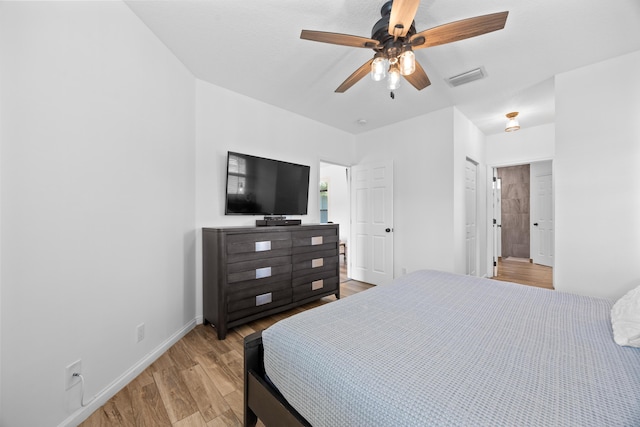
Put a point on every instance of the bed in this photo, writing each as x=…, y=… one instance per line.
x=438, y=349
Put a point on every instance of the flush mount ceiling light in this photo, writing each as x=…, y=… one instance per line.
x=394, y=38
x=512, y=124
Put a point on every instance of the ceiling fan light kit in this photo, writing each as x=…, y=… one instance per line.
x=512, y=123
x=394, y=38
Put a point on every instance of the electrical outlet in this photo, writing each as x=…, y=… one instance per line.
x=140, y=332
x=404, y=270
x=69, y=379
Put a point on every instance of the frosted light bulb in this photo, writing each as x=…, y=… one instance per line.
x=393, y=81
x=407, y=63
x=379, y=68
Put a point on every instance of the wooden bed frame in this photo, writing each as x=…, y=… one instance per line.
x=261, y=399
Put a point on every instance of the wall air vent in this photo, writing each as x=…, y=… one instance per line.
x=466, y=77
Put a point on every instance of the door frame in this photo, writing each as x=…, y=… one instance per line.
x=475, y=250
x=491, y=168
x=348, y=188
x=541, y=169
x=495, y=220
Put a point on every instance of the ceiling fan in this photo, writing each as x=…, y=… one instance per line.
x=394, y=38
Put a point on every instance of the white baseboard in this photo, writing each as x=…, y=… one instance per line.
x=112, y=389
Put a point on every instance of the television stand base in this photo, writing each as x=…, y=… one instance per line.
x=270, y=222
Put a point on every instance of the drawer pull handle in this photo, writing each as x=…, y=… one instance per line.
x=317, y=284
x=263, y=299
x=316, y=240
x=318, y=262
x=263, y=272
x=263, y=246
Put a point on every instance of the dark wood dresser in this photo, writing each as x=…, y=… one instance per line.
x=252, y=272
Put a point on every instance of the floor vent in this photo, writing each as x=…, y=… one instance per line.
x=466, y=77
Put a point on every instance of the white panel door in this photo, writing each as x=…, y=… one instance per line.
x=542, y=227
x=371, y=251
x=471, y=173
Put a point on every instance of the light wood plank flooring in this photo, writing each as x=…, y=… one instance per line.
x=525, y=273
x=198, y=382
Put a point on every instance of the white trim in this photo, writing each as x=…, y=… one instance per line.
x=519, y=163
x=112, y=389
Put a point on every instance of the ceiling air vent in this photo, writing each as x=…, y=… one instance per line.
x=466, y=77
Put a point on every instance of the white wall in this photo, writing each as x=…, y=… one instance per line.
x=469, y=143
x=429, y=154
x=524, y=146
x=596, y=178
x=229, y=121
x=422, y=154
x=98, y=203
x=339, y=205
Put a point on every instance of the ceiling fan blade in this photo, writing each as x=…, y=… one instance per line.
x=355, y=77
x=459, y=30
x=341, y=39
x=418, y=78
x=401, y=18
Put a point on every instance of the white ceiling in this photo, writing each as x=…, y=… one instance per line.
x=253, y=47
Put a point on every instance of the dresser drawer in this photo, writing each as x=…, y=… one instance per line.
x=315, y=248
x=258, y=269
x=250, y=246
x=241, y=289
x=314, y=259
x=307, y=276
x=259, y=300
x=315, y=237
x=308, y=289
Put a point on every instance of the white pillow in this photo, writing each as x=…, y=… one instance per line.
x=625, y=319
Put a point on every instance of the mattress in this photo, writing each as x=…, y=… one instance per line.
x=438, y=349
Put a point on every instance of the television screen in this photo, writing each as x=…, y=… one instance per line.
x=259, y=186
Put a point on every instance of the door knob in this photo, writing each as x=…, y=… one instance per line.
x=388, y=230
x=535, y=224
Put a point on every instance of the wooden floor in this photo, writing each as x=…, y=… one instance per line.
x=525, y=273
x=197, y=382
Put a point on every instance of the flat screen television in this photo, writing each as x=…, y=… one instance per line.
x=259, y=186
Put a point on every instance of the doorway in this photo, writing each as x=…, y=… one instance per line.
x=523, y=226
x=335, y=207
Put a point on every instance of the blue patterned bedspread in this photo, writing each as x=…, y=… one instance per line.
x=438, y=349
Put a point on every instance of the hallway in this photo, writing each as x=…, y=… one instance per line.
x=525, y=273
